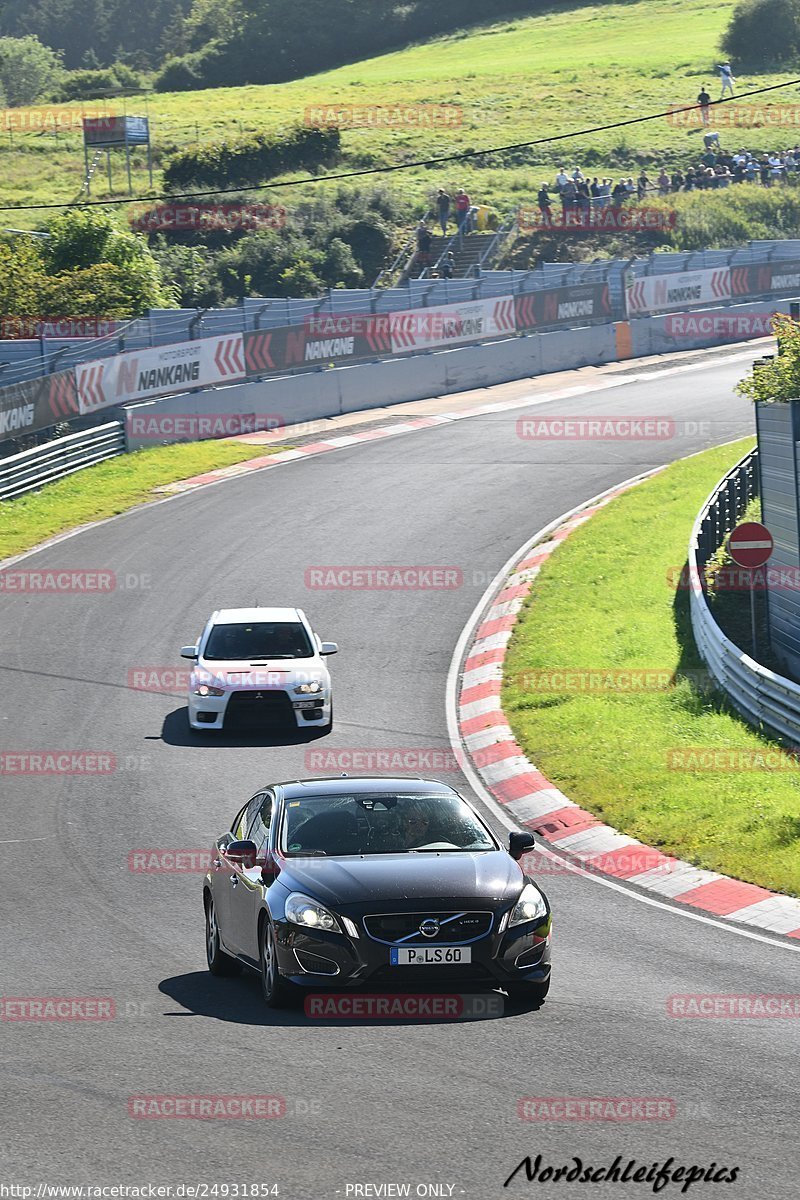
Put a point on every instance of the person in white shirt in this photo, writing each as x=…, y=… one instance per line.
x=726, y=78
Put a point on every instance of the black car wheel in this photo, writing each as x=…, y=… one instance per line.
x=328, y=726
x=219, y=963
x=529, y=993
x=276, y=993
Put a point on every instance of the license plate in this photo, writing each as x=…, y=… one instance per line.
x=428, y=956
x=308, y=704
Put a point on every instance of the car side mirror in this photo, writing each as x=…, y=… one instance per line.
x=269, y=871
x=329, y=648
x=519, y=843
x=242, y=854
x=189, y=652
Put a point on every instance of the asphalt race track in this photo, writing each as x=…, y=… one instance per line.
x=366, y=1102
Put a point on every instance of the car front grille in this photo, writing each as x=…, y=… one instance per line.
x=455, y=927
x=257, y=706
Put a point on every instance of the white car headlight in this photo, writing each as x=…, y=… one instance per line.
x=207, y=689
x=302, y=910
x=529, y=907
x=304, y=689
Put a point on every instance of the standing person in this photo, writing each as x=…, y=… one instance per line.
x=423, y=244
x=443, y=210
x=676, y=180
x=447, y=267
x=704, y=100
x=726, y=78
x=569, y=194
x=642, y=186
x=663, y=182
x=619, y=194
x=543, y=200
x=463, y=205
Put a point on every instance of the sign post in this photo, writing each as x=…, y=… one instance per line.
x=750, y=546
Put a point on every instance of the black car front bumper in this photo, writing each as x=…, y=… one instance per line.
x=501, y=957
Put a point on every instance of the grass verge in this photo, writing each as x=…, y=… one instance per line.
x=109, y=488
x=603, y=602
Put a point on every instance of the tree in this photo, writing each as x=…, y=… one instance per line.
x=763, y=33
x=28, y=70
x=778, y=379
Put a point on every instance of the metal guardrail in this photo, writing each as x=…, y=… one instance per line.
x=31, y=469
x=764, y=698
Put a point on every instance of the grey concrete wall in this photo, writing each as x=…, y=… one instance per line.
x=778, y=426
x=290, y=399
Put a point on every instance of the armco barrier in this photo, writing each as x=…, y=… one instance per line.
x=55, y=460
x=761, y=696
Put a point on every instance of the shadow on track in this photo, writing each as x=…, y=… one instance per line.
x=176, y=732
x=238, y=1001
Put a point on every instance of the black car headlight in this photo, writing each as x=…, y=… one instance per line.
x=530, y=906
x=302, y=910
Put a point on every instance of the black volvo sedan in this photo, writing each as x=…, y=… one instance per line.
x=373, y=882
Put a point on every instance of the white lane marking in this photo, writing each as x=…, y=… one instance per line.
x=499, y=810
x=346, y=441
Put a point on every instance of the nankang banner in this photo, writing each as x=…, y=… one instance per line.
x=763, y=279
x=683, y=289
x=318, y=341
x=575, y=304
x=141, y=374
x=471, y=321
x=37, y=404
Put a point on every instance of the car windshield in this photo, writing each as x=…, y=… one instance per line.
x=258, y=639
x=381, y=823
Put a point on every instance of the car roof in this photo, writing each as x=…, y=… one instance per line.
x=233, y=616
x=359, y=784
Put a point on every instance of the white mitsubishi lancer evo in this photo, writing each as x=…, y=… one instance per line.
x=259, y=666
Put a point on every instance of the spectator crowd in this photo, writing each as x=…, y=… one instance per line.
x=717, y=168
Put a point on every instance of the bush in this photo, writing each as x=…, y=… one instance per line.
x=252, y=160
x=28, y=70
x=86, y=85
x=187, y=73
x=763, y=33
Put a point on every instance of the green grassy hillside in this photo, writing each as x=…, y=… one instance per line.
x=513, y=80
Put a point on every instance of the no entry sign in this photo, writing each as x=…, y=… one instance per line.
x=750, y=545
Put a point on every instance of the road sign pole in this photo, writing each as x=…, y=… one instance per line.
x=753, y=613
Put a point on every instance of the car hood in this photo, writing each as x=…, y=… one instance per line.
x=402, y=879
x=265, y=674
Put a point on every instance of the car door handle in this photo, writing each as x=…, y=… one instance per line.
x=234, y=881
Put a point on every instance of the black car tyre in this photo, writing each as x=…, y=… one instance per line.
x=276, y=993
x=219, y=963
x=328, y=726
x=529, y=993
